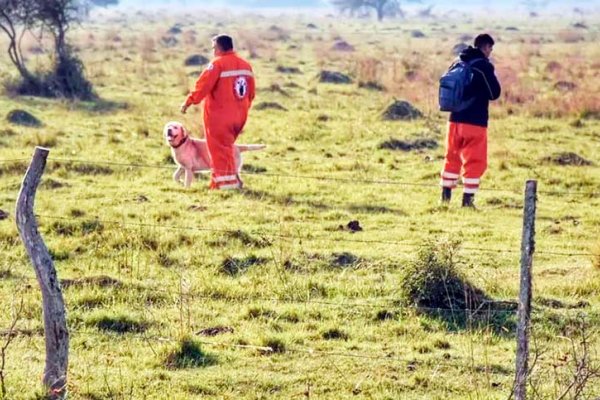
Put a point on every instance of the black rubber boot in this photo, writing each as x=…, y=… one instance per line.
x=468, y=200
x=446, y=195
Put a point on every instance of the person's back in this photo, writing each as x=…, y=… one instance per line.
x=484, y=87
x=227, y=87
x=235, y=87
x=466, y=142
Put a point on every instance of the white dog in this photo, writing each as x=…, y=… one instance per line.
x=191, y=155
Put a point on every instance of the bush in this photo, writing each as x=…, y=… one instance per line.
x=432, y=280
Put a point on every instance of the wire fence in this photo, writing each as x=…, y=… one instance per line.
x=385, y=308
x=315, y=178
x=312, y=238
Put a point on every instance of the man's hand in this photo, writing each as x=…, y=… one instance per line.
x=183, y=108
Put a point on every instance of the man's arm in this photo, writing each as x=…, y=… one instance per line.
x=490, y=81
x=204, y=85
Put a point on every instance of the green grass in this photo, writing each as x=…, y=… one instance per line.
x=315, y=310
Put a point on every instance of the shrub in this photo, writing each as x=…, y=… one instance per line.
x=432, y=280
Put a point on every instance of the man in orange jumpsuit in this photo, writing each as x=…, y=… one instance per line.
x=466, y=146
x=227, y=88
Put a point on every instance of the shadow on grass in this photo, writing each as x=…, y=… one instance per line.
x=118, y=324
x=188, y=354
x=261, y=195
x=100, y=106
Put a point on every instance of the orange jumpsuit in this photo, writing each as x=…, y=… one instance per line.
x=466, y=149
x=228, y=89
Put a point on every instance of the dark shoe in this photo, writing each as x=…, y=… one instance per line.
x=468, y=200
x=446, y=195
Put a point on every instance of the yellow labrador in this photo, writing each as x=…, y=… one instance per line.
x=191, y=155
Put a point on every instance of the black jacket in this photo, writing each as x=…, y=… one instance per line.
x=484, y=87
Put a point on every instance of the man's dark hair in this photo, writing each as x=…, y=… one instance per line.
x=225, y=42
x=482, y=40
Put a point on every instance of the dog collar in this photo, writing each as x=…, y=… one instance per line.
x=181, y=143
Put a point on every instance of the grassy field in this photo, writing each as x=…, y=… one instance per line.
x=265, y=293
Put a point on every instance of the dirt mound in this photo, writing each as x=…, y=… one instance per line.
x=22, y=117
x=196, y=59
x=275, y=33
x=344, y=259
x=233, y=266
x=169, y=41
x=275, y=88
x=371, y=85
x=401, y=110
x=342, y=45
x=175, y=29
x=214, y=331
x=288, y=70
x=565, y=86
x=253, y=169
x=408, y=145
x=458, y=48
x=553, y=66
x=101, y=281
x=567, y=158
x=334, y=77
x=269, y=105
x=352, y=226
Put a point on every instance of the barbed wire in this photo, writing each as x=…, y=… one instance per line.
x=486, y=307
x=306, y=238
x=382, y=304
x=390, y=357
x=320, y=178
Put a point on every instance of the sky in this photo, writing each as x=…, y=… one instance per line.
x=440, y=5
x=325, y=3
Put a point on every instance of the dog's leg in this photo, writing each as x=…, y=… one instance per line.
x=177, y=174
x=189, y=177
x=239, y=163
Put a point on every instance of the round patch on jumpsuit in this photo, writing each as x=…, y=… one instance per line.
x=241, y=87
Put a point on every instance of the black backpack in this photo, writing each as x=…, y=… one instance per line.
x=453, y=85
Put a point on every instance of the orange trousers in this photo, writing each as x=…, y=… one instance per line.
x=220, y=140
x=466, y=152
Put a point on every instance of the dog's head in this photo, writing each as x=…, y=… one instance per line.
x=175, y=134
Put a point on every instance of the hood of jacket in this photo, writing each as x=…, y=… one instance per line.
x=471, y=53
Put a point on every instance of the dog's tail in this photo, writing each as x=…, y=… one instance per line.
x=250, y=147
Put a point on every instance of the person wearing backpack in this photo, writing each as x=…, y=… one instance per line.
x=465, y=91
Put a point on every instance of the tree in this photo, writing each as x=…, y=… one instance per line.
x=382, y=7
x=16, y=17
x=66, y=77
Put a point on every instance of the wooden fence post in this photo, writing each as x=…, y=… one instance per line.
x=54, y=313
x=527, y=249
